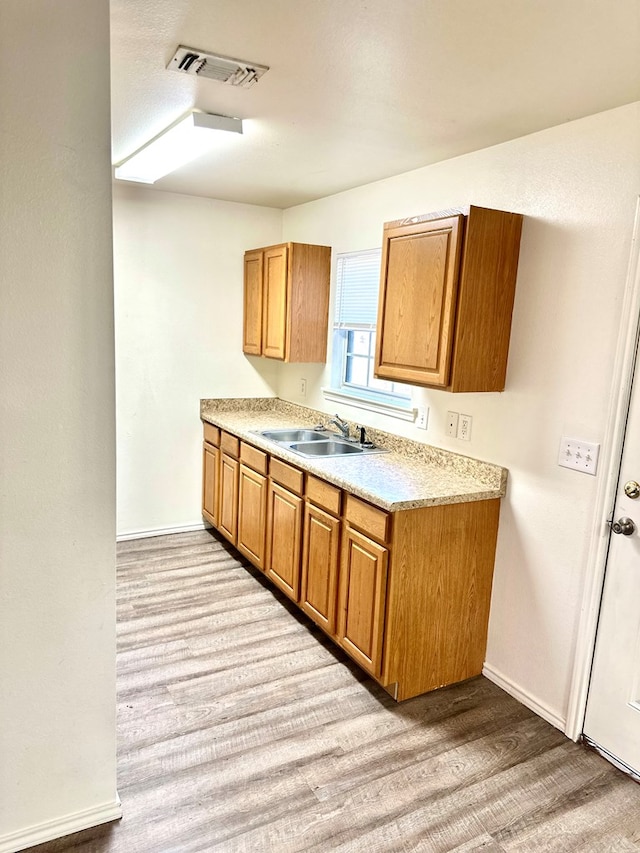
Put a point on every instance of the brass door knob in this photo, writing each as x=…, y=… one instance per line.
x=632, y=489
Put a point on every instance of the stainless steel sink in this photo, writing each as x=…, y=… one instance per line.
x=325, y=448
x=288, y=435
x=317, y=443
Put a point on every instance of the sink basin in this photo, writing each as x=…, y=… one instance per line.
x=294, y=435
x=317, y=443
x=325, y=448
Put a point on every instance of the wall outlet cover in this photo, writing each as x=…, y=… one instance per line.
x=422, y=417
x=452, y=424
x=464, y=427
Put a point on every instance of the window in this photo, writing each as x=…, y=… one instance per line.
x=354, y=337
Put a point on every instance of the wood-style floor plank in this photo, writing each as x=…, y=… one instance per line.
x=242, y=729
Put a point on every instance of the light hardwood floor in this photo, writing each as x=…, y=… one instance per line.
x=242, y=728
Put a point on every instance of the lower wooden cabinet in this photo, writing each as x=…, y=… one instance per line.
x=362, y=599
x=284, y=539
x=229, y=481
x=320, y=566
x=252, y=514
x=406, y=594
x=210, y=482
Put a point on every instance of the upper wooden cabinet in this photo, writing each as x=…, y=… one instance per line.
x=286, y=302
x=446, y=295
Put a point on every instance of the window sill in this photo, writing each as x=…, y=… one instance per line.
x=392, y=410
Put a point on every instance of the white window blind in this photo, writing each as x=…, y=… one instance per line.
x=357, y=280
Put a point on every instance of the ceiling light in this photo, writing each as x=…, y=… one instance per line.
x=184, y=140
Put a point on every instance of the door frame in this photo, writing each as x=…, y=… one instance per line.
x=610, y=460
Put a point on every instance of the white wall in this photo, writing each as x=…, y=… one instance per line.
x=577, y=186
x=57, y=434
x=178, y=289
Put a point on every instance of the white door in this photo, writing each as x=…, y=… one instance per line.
x=613, y=706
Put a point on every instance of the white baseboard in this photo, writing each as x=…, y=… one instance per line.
x=522, y=696
x=161, y=531
x=66, y=825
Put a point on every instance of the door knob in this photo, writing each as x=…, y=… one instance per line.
x=623, y=525
x=632, y=489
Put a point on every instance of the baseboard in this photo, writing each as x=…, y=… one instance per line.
x=522, y=696
x=59, y=827
x=161, y=531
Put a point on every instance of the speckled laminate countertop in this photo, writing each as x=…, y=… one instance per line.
x=411, y=475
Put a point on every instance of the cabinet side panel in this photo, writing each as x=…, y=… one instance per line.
x=308, y=312
x=439, y=594
x=485, y=300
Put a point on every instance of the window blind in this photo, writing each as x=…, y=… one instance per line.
x=357, y=281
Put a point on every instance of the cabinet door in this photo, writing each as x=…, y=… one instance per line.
x=274, y=302
x=284, y=540
x=252, y=327
x=252, y=515
x=210, y=483
x=320, y=567
x=416, y=311
x=228, y=515
x=363, y=592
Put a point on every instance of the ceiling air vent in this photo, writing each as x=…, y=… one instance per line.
x=224, y=69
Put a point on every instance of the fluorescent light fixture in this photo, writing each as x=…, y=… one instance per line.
x=184, y=140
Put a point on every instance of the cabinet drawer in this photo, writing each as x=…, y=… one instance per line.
x=287, y=476
x=369, y=519
x=323, y=494
x=253, y=457
x=211, y=434
x=230, y=444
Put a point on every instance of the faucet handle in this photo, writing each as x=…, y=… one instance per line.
x=364, y=441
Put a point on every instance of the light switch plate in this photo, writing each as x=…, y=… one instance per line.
x=579, y=455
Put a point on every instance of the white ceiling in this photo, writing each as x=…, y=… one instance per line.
x=360, y=90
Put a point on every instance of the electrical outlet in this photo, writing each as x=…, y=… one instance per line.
x=422, y=417
x=464, y=427
x=452, y=424
x=579, y=455
x=303, y=387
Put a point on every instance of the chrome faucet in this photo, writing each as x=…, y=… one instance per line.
x=343, y=426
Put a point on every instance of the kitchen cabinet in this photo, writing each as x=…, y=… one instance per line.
x=406, y=593
x=252, y=504
x=284, y=527
x=211, y=474
x=363, y=584
x=320, y=566
x=321, y=553
x=229, y=482
x=286, y=302
x=363, y=590
x=447, y=289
